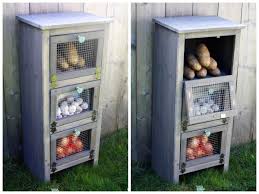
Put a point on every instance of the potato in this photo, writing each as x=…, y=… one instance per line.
x=193, y=63
x=215, y=72
x=202, y=73
x=72, y=55
x=188, y=73
x=62, y=63
x=213, y=64
x=203, y=55
x=81, y=62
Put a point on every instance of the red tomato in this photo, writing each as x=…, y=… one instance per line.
x=204, y=139
x=194, y=142
x=60, y=152
x=208, y=148
x=64, y=142
x=79, y=145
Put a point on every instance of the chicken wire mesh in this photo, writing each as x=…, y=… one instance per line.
x=210, y=99
x=203, y=145
x=72, y=144
x=74, y=55
x=75, y=102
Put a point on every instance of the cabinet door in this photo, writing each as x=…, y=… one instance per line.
x=75, y=55
x=202, y=147
x=72, y=146
x=209, y=99
x=73, y=103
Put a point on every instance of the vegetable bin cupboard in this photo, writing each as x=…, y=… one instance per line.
x=61, y=59
x=194, y=79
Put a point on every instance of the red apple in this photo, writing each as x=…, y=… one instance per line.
x=190, y=154
x=208, y=148
x=70, y=150
x=200, y=152
x=64, y=142
x=78, y=145
x=73, y=138
x=60, y=152
x=194, y=142
x=204, y=139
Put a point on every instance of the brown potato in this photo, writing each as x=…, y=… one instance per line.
x=193, y=63
x=81, y=62
x=72, y=55
x=203, y=55
x=202, y=73
x=188, y=73
x=213, y=64
x=62, y=63
x=215, y=72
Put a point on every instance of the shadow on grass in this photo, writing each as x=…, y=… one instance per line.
x=240, y=177
x=111, y=174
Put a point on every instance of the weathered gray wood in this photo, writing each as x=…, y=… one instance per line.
x=178, y=9
x=164, y=103
x=77, y=7
x=184, y=24
x=11, y=77
x=62, y=20
x=32, y=98
x=43, y=7
x=205, y=9
x=231, y=11
x=145, y=13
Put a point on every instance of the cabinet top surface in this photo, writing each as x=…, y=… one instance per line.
x=60, y=20
x=187, y=24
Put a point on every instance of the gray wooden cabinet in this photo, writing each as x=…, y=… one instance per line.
x=62, y=56
x=175, y=123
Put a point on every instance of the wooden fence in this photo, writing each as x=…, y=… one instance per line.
x=141, y=32
x=115, y=102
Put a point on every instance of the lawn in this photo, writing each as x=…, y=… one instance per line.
x=240, y=177
x=111, y=174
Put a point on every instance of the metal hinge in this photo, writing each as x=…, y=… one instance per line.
x=221, y=158
x=53, y=126
x=184, y=125
x=94, y=115
x=98, y=73
x=53, y=81
x=224, y=120
x=183, y=165
x=91, y=156
x=53, y=167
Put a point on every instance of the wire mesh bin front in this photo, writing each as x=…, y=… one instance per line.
x=202, y=147
x=71, y=146
x=75, y=55
x=73, y=103
x=209, y=99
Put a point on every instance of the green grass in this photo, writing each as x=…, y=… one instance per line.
x=240, y=177
x=111, y=174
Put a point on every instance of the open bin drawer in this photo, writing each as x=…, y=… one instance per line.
x=75, y=55
x=202, y=148
x=209, y=99
x=72, y=146
x=73, y=103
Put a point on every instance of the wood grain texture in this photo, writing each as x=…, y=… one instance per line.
x=145, y=13
x=178, y=9
x=205, y=9
x=11, y=75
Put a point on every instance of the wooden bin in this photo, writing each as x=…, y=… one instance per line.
x=173, y=97
x=61, y=60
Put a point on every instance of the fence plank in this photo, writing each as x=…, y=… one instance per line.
x=145, y=13
x=43, y=7
x=133, y=83
x=231, y=11
x=11, y=75
x=178, y=9
x=62, y=7
x=205, y=9
x=99, y=9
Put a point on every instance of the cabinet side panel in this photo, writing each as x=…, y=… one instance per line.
x=164, y=98
x=32, y=99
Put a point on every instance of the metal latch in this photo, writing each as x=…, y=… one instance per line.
x=183, y=166
x=98, y=73
x=53, y=167
x=91, y=156
x=53, y=81
x=221, y=158
x=94, y=114
x=53, y=127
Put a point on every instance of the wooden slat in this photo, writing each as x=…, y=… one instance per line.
x=99, y=9
x=62, y=7
x=230, y=11
x=205, y=9
x=43, y=7
x=145, y=13
x=178, y=9
x=11, y=75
